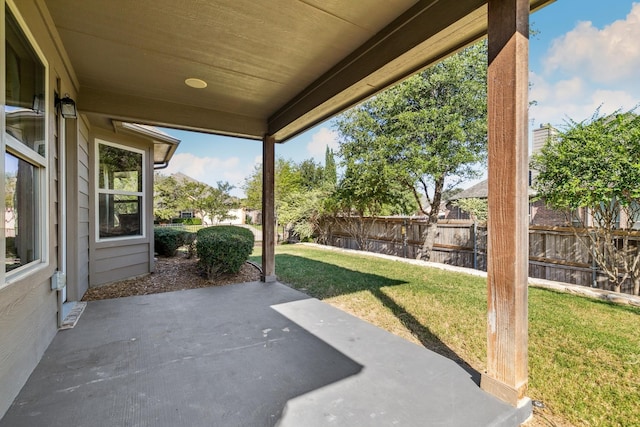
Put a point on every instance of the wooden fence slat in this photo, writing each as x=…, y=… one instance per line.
x=554, y=252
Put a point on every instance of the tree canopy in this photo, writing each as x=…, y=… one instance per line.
x=166, y=197
x=478, y=209
x=594, y=166
x=171, y=196
x=301, y=192
x=591, y=162
x=330, y=172
x=428, y=134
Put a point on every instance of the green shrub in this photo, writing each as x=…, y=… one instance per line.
x=167, y=240
x=223, y=249
x=10, y=244
x=187, y=221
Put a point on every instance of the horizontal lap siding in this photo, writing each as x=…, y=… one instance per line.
x=28, y=307
x=78, y=214
x=121, y=262
x=28, y=319
x=83, y=209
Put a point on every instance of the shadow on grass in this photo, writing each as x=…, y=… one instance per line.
x=323, y=280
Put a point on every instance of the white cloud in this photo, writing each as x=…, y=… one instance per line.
x=320, y=140
x=573, y=99
x=588, y=69
x=210, y=170
x=606, y=55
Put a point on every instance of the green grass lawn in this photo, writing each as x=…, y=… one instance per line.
x=584, y=355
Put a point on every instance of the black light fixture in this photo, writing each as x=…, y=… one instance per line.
x=66, y=106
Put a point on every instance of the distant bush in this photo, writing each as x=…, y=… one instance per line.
x=10, y=245
x=187, y=221
x=223, y=249
x=167, y=240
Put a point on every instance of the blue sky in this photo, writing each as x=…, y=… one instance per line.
x=586, y=56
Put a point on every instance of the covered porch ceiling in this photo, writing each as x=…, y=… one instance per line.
x=274, y=67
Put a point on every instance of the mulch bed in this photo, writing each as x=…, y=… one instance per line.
x=172, y=274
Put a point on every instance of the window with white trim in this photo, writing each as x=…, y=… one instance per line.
x=24, y=139
x=120, y=190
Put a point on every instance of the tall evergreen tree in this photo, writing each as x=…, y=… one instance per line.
x=330, y=172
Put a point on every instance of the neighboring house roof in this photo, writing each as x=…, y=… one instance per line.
x=480, y=191
x=182, y=178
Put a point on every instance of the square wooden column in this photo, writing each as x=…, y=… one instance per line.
x=268, y=210
x=508, y=222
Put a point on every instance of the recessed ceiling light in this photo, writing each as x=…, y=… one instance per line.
x=196, y=83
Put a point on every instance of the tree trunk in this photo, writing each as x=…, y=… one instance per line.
x=361, y=240
x=429, y=238
x=615, y=286
x=636, y=286
x=429, y=235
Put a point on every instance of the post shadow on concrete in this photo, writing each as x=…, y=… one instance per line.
x=357, y=281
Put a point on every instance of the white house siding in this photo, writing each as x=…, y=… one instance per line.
x=238, y=218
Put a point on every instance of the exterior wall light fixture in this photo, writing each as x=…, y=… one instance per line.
x=66, y=106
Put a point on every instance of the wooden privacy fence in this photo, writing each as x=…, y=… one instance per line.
x=555, y=253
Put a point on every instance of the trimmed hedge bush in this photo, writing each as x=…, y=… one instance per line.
x=187, y=221
x=167, y=240
x=223, y=249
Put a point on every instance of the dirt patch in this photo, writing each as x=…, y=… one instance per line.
x=172, y=274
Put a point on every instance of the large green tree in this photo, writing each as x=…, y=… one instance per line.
x=253, y=189
x=428, y=133
x=330, y=173
x=366, y=191
x=287, y=178
x=300, y=191
x=171, y=196
x=166, y=197
x=591, y=171
x=217, y=202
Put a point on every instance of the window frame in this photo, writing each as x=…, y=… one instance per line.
x=10, y=145
x=99, y=191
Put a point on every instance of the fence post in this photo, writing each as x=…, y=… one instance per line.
x=404, y=238
x=475, y=245
x=594, y=266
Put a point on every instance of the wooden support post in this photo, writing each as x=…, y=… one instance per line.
x=508, y=246
x=268, y=210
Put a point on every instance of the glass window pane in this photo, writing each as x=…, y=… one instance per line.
x=120, y=215
x=25, y=87
x=21, y=212
x=120, y=169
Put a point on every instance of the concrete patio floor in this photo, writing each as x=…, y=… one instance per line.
x=244, y=355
